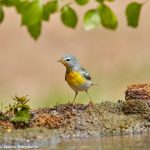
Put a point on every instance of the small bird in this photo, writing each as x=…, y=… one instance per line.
x=76, y=76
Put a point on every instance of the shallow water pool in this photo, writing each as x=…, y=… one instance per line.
x=132, y=142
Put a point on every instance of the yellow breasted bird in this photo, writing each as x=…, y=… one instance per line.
x=76, y=76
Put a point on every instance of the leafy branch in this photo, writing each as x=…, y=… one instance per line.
x=34, y=12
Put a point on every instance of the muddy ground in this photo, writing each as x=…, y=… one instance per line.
x=51, y=125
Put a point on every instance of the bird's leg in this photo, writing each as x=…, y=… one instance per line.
x=91, y=102
x=76, y=93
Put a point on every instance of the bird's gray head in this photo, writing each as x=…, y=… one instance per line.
x=70, y=62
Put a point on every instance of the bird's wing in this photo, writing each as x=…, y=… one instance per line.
x=86, y=74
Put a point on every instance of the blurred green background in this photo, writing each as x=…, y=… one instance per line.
x=115, y=59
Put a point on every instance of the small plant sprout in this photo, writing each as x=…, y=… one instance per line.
x=20, y=109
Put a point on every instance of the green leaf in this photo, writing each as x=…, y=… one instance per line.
x=49, y=8
x=69, y=17
x=100, y=1
x=2, y=116
x=91, y=19
x=110, y=0
x=9, y=3
x=35, y=30
x=82, y=2
x=1, y=14
x=21, y=6
x=132, y=13
x=22, y=116
x=107, y=16
x=32, y=13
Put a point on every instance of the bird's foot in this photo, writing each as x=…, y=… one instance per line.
x=91, y=103
x=70, y=103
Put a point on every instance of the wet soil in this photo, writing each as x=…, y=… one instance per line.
x=65, y=121
x=51, y=125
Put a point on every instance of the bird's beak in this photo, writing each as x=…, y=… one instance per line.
x=62, y=61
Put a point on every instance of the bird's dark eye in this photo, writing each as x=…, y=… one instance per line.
x=68, y=59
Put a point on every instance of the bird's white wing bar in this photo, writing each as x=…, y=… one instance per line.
x=85, y=73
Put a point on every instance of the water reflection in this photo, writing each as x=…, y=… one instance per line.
x=134, y=142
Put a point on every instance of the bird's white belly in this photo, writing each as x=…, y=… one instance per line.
x=82, y=87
